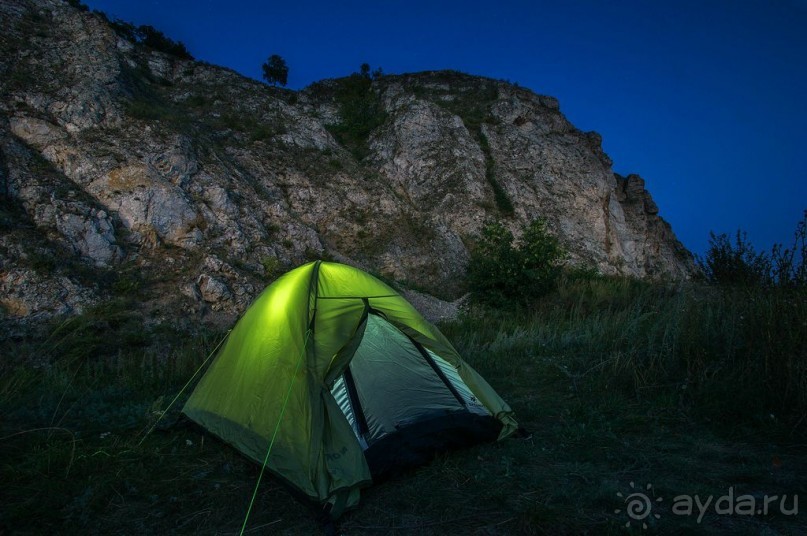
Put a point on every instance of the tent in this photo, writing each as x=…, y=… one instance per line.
x=332, y=379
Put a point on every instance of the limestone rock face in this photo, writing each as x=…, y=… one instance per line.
x=33, y=292
x=26, y=293
x=212, y=290
x=89, y=232
x=207, y=185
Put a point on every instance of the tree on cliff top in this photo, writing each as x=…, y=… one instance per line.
x=275, y=70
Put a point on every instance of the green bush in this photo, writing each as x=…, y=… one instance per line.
x=146, y=98
x=504, y=274
x=152, y=37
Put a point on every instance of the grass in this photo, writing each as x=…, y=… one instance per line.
x=618, y=381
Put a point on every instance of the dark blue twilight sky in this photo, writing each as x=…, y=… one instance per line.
x=707, y=100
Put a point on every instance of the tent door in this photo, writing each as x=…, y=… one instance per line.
x=395, y=392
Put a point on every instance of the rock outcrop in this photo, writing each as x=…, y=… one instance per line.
x=207, y=184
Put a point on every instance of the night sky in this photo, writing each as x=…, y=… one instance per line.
x=707, y=100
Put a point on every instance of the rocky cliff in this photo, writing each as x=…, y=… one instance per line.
x=124, y=170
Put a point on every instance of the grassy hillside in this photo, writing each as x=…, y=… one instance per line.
x=692, y=389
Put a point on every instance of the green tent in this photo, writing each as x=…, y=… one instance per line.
x=346, y=382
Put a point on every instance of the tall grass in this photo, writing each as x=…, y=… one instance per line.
x=730, y=354
x=104, y=366
x=119, y=396
x=736, y=354
x=76, y=402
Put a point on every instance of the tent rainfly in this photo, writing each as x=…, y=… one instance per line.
x=333, y=379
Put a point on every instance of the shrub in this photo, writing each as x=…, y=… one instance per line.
x=504, y=274
x=736, y=264
x=197, y=101
x=272, y=268
x=366, y=72
x=147, y=110
x=790, y=265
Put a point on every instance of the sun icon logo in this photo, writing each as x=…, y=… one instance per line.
x=638, y=505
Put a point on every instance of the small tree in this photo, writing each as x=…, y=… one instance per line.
x=365, y=72
x=502, y=273
x=275, y=70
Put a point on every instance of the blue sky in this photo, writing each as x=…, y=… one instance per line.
x=707, y=100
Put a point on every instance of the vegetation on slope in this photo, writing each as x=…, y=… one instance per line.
x=145, y=34
x=360, y=112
